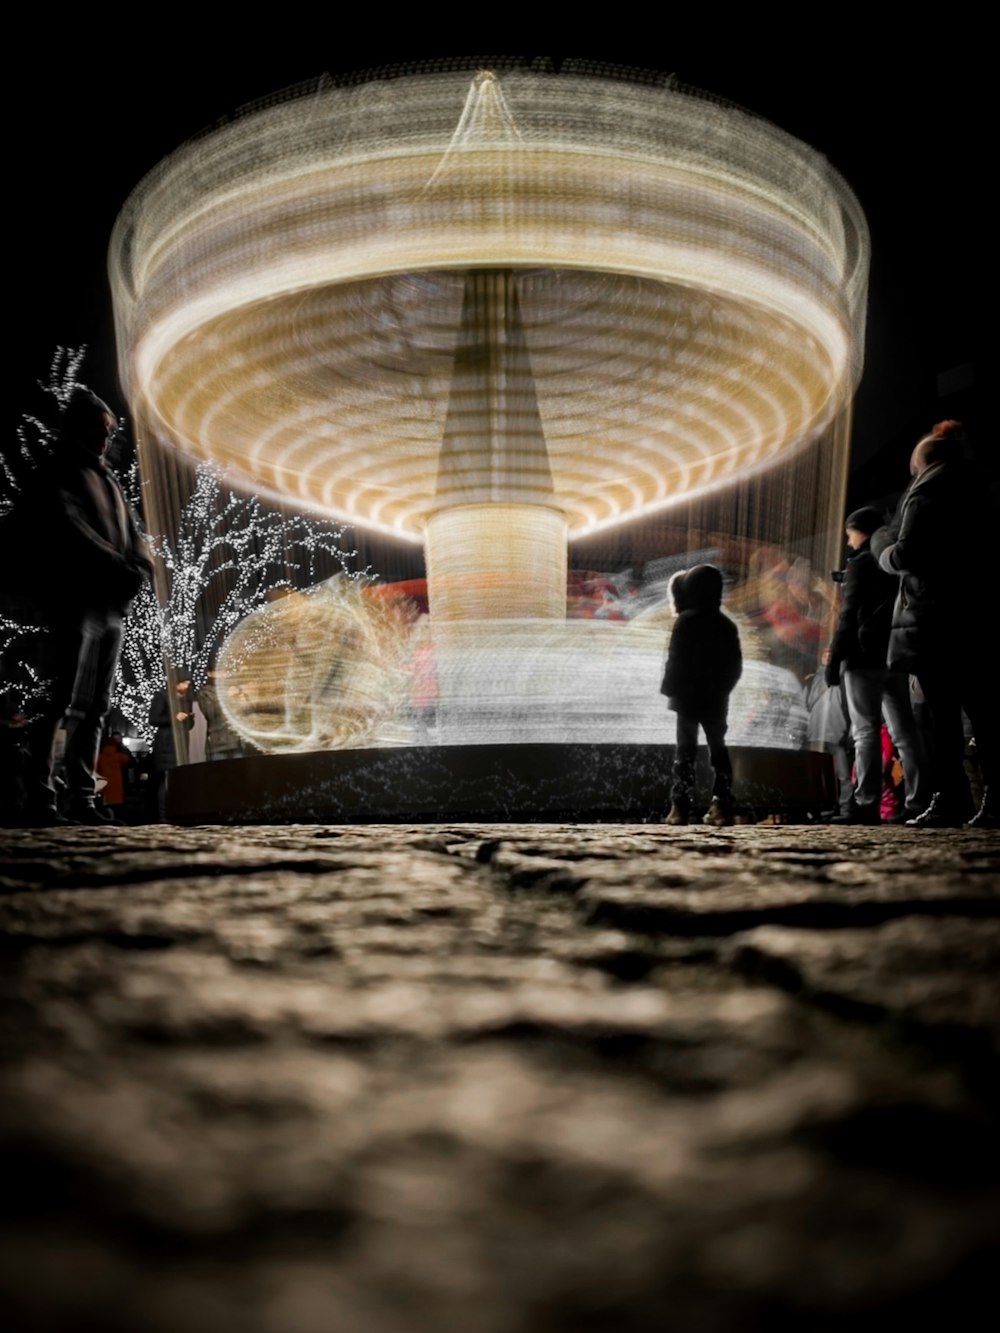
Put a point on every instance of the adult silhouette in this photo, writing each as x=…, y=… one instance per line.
x=82, y=560
x=940, y=544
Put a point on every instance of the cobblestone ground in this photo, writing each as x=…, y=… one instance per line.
x=504, y=1079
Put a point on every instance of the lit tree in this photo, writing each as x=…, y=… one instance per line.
x=22, y=685
x=229, y=552
x=35, y=436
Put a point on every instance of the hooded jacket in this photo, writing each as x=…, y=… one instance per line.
x=704, y=660
x=939, y=546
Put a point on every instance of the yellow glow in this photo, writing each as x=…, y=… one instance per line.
x=293, y=293
x=496, y=561
x=324, y=669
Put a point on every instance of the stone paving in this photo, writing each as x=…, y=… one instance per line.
x=499, y=1079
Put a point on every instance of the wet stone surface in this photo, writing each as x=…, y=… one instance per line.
x=501, y=1079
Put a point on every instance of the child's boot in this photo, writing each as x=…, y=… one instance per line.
x=720, y=811
x=720, y=814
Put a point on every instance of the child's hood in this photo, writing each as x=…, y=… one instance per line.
x=697, y=589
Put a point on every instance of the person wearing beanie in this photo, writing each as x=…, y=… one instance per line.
x=872, y=691
x=940, y=546
x=83, y=561
x=704, y=662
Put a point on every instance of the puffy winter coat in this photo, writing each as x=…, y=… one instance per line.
x=940, y=544
x=704, y=660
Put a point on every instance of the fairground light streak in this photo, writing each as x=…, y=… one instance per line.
x=491, y=318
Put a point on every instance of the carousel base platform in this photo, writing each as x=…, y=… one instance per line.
x=531, y=783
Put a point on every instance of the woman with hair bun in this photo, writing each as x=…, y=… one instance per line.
x=942, y=545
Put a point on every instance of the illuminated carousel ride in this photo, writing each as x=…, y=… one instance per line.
x=525, y=334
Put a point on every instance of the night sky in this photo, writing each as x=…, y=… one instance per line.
x=897, y=122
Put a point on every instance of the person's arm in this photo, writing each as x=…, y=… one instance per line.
x=911, y=548
x=140, y=552
x=671, y=669
x=846, y=634
x=82, y=534
x=119, y=574
x=737, y=671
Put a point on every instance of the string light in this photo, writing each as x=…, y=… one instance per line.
x=228, y=554
x=223, y=540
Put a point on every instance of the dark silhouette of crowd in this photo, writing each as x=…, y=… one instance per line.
x=911, y=659
x=914, y=627
x=872, y=689
x=912, y=624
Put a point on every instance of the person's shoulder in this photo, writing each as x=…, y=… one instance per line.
x=685, y=631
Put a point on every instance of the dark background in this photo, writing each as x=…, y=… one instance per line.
x=94, y=111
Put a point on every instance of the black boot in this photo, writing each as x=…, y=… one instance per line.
x=860, y=814
x=941, y=813
x=720, y=813
x=86, y=812
x=988, y=814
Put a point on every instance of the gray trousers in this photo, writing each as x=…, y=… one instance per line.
x=871, y=695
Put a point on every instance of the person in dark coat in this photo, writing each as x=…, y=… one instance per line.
x=221, y=741
x=858, y=648
x=168, y=740
x=84, y=559
x=704, y=662
x=940, y=544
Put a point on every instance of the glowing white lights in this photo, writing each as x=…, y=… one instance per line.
x=492, y=318
x=225, y=556
x=689, y=284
